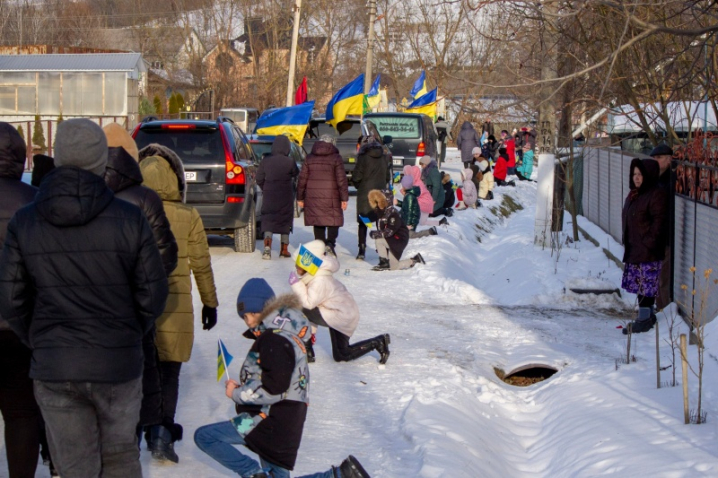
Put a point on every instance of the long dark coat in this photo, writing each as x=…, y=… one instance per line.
x=467, y=140
x=644, y=217
x=323, y=186
x=275, y=176
x=371, y=172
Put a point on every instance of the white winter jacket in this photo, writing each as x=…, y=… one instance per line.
x=336, y=304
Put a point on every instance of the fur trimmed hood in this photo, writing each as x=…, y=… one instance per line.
x=174, y=161
x=377, y=199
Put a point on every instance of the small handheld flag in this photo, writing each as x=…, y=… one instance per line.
x=367, y=222
x=308, y=261
x=223, y=360
x=397, y=177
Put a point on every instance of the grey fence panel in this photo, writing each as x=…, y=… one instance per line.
x=705, y=257
x=683, y=255
x=604, y=214
x=616, y=196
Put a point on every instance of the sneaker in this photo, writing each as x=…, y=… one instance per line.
x=329, y=250
x=362, y=252
x=444, y=222
x=267, y=254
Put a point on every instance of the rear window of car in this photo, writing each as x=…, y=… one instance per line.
x=192, y=146
x=345, y=129
x=397, y=127
x=261, y=149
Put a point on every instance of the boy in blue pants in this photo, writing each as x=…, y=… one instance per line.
x=272, y=394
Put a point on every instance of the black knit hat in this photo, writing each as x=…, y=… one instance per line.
x=662, y=150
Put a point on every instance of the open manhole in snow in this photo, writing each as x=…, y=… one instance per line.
x=526, y=374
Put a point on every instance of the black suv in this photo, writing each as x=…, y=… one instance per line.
x=220, y=169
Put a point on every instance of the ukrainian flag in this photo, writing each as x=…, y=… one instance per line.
x=367, y=222
x=308, y=261
x=223, y=360
x=424, y=105
x=291, y=121
x=348, y=101
x=419, y=88
x=373, y=97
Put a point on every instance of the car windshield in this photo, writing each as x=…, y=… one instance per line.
x=345, y=130
x=397, y=127
x=192, y=145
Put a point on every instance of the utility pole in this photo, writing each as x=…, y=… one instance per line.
x=293, y=52
x=370, y=46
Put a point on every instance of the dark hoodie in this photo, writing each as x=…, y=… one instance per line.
x=275, y=176
x=124, y=178
x=644, y=216
x=372, y=171
x=14, y=194
x=389, y=224
x=81, y=280
x=323, y=186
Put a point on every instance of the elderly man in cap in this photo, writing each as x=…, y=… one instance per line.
x=663, y=155
x=81, y=281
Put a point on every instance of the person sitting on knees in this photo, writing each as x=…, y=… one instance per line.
x=391, y=235
x=410, y=212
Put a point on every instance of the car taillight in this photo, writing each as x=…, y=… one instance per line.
x=178, y=126
x=134, y=131
x=421, y=149
x=234, y=173
x=235, y=199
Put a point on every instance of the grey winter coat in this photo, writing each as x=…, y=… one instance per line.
x=467, y=140
x=275, y=176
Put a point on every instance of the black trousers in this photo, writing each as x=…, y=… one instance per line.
x=362, y=233
x=169, y=373
x=20, y=411
x=644, y=301
x=151, y=411
x=328, y=234
x=342, y=351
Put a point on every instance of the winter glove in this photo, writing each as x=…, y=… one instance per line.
x=293, y=278
x=374, y=235
x=209, y=317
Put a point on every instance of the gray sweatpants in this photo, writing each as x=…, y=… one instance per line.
x=382, y=247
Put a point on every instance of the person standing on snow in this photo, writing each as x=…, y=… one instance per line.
x=467, y=140
x=372, y=171
x=443, y=129
x=17, y=400
x=323, y=191
x=275, y=176
x=644, y=218
x=327, y=303
x=432, y=179
x=163, y=172
x=663, y=154
x=272, y=395
x=81, y=282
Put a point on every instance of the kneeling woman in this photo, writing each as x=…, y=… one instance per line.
x=327, y=303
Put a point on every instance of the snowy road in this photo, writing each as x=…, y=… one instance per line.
x=437, y=409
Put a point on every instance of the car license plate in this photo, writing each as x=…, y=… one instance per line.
x=352, y=160
x=190, y=175
x=398, y=162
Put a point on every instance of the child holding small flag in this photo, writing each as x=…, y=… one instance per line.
x=327, y=303
x=272, y=394
x=392, y=235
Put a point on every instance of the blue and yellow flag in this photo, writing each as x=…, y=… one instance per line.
x=308, y=261
x=348, y=101
x=424, y=105
x=367, y=222
x=419, y=88
x=292, y=121
x=223, y=360
x=373, y=98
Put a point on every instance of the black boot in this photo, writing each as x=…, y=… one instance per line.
x=162, y=444
x=417, y=259
x=351, y=468
x=644, y=323
x=383, y=265
x=444, y=222
x=382, y=346
x=362, y=252
x=310, y=350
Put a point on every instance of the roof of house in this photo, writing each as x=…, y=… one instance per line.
x=73, y=62
x=154, y=43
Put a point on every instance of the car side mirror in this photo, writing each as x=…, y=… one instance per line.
x=388, y=139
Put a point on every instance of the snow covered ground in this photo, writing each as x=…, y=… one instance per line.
x=437, y=409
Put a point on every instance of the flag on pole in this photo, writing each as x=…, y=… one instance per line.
x=223, y=360
x=424, y=105
x=373, y=98
x=301, y=95
x=292, y=121
x=349, y=100
x=308, y=261
x=419, y=88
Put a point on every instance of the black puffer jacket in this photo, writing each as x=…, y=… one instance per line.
x=372, y=171
x=81, y=280
x=323, y=186
x=14, y=194
x=275, y=176
x=644, y=216
x=123, y=176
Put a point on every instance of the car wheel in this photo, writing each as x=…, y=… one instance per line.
x=245, y=238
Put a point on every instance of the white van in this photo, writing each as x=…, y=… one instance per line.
x=245, y=118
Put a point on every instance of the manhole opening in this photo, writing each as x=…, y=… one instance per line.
x=526, y=375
